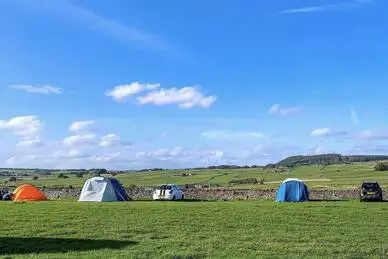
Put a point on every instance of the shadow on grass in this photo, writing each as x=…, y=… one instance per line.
x=27, y=245
x=182, y=201
x=196, y=200
x=325, y=200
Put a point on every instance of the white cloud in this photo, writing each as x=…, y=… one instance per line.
x=327, y=132
x=34, y=142
x=51, y=156
x=25, y=126
x=216, y=155
x=81, y=126
x=122, y=92
x=186, y=97
x=12, y=161
x=74, y=153
x=368, y=148
x=80, y=140
x=340, y=6
x=109, y=140
x=221, y=134
x=354, y=117
x=179, y=157
x=278, y=109
x=105, y=157
x=158, y=154
x=374, y=135
x=318, y=149
x=47, y=89
x=320, y=132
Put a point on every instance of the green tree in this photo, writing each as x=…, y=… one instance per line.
x=381, y=167
x=12, y=179
x=80, y=175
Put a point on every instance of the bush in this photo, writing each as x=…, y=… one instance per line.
x=79, y=175
x=244, y=181
x=381, y=167
x=35, y=178
x=97, y=172
x=12, y=179
x=61, y=175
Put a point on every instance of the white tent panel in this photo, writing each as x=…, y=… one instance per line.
x=98, y=189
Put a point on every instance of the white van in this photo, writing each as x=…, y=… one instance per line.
x=170, y=192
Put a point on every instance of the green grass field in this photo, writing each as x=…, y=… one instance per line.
x=317, y=177
x=243, y=229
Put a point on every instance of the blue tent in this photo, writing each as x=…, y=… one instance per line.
x=292, y=190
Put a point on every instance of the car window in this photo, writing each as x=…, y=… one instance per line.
x=370, y=186
x=164, y=187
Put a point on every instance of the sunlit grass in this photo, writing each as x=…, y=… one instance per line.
x=244, y=229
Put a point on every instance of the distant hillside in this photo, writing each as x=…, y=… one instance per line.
x=327, y=159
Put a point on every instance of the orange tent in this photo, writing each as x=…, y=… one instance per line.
x=28, y=192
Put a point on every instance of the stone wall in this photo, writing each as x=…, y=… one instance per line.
x=209, y=194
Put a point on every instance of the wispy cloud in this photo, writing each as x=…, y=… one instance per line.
x=81, y=16
x=47, y=89
x=122, y=92
x=278, y=109
x=81, y=126
x=222, y=134
x=374, y=135
x=354, y=117
x=340, y=6
x=186, y=97
x=327, y=132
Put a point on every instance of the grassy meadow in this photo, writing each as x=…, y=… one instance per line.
x=240, y=229
x=345, y=176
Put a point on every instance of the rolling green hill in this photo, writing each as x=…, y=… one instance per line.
x=328, y=159
x=339, y=176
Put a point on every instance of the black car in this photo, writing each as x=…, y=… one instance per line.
x=371, y=191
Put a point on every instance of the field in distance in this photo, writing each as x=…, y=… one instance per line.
x=344, y=176
x=239, y=229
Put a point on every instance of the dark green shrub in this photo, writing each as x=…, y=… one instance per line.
x=12, y=179
x=244, y=181
x=381, y=167
x=79, y=175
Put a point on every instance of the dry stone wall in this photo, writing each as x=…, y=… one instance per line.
x=209, y=194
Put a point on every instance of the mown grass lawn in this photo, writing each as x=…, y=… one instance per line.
x=241, y=229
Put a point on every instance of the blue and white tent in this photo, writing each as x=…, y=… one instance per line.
x=292, y=190
x=100, y=189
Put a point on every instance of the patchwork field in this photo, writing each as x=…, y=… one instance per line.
x=346, y=176
x=244, y=229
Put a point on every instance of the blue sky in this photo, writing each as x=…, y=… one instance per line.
x=175, y=84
